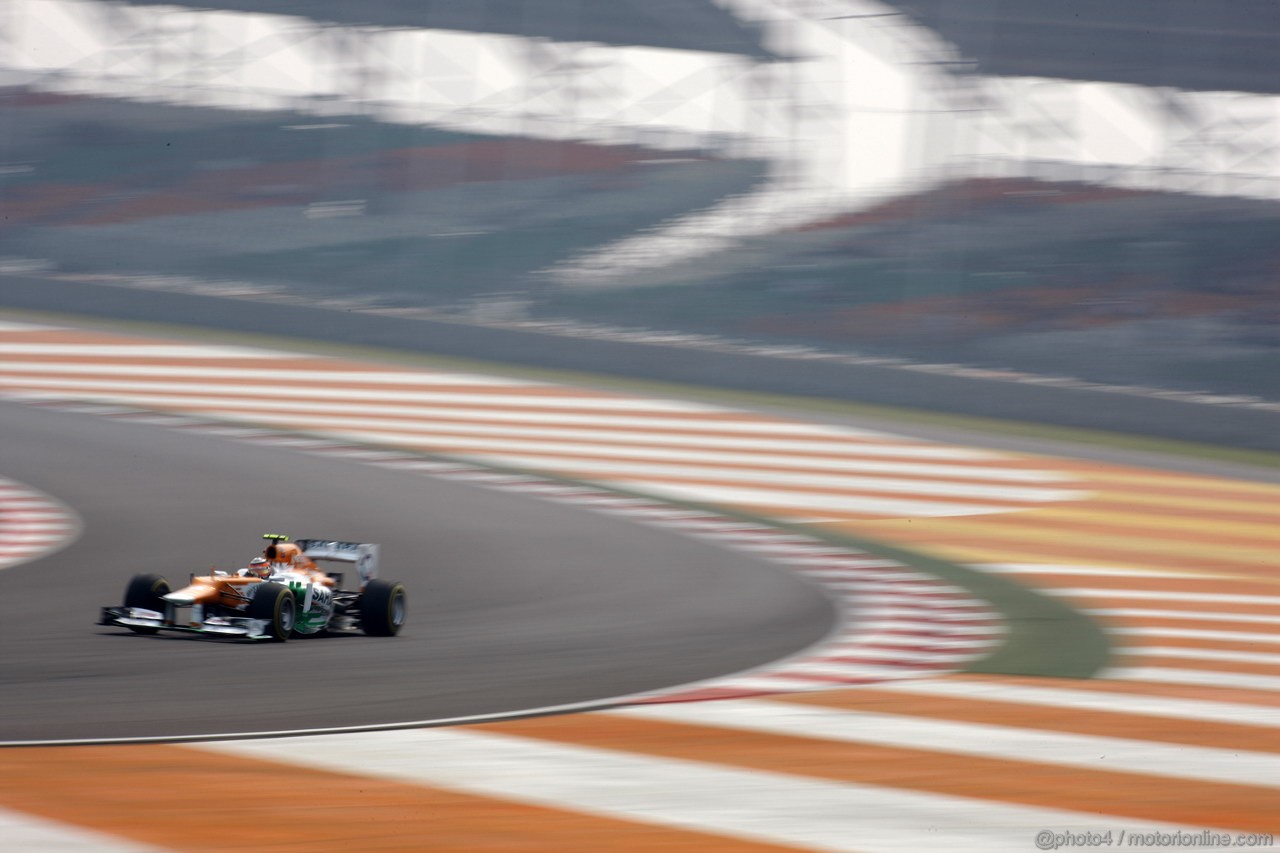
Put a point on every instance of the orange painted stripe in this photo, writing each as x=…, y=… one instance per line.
x=605, y=433
x=282, y=358
x=63, y=335
x=1193, y=624
x=811, y=461
x=587, y=473
x=18, y=363
x=1110, y=481
x=308, y=376
x=1198, y=643
x=1198, y=513
x=1264, y=698
x=1030, y=527
x=806, y=463
x=985, y=544
x=202, y=801
x=511, y=406
x=1245, y=667
x=1082, y=519
x=1101, y=723
x=208, y=386
x=1150, y=583
x=1195, y=506
x=1150, y=487
x=1198, y=606
x=1122, y=794
x=1132, y=475
x=983, y=552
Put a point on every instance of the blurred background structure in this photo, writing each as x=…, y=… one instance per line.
x=1084, y=189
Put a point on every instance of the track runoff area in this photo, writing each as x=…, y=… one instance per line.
x=1176, y=742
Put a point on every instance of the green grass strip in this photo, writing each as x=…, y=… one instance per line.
x=1045, y=636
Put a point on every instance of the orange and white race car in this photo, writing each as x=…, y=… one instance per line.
x=281, y=594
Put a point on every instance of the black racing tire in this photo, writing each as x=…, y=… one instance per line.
x=382, y=608
x=145, y=591
x=274, y=603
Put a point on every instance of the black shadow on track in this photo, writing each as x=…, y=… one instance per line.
x=515, y=603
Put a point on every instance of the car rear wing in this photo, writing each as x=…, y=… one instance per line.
x=363, y=554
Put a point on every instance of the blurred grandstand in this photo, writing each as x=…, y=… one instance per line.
x=242, y=148
x=1088, y=189
x=347, y=205
x=1082, y=280
x=1197, y=45
x=673, y=24
x=1110, y=212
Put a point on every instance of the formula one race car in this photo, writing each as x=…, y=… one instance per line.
x=281, y=594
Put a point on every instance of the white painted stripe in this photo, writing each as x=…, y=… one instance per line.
x=12, y=326
x=1007, y=743
x=139, y=351
x=887, y=507
x=1199, y=677
x=321, y=373
x=905, y=577
x=1100, y=571
x=764, y=683
x=917, y=610
x=933, y=629
x=1190, y=615
x=20, y=535
x=1195, y=634
x=959, y=644
x=321, y=404
x=838, y=564
x=1200, y=654
x=24, y=833
x=760, y=476
x=32, y=524
x=1235, y=713
x=757, y=805
x=849, y=460
x=1154, y=595
x=942, y=607
x=854, y=672
x=892, y=507
x=906, y=588
x=750, y=540
x=462, y=422
x=535, y=401
x=870, y=654
x=28, y=504
x=32, y=517
x=850, y=463
x=324, y=412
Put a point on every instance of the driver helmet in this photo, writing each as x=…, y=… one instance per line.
x=259, y=568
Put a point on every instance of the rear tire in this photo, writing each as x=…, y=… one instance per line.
x=145, y=591
x=274, y=603
x=382, y=608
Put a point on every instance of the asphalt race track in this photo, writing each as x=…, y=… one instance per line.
x=514, y=603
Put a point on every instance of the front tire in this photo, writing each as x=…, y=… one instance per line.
x=382, y=608
x=145, y=591
x=274, y=603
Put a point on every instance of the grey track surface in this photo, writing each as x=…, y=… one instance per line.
x=1090, y=409
x=514, y=603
